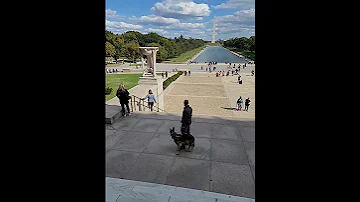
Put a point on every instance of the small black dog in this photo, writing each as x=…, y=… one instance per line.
x=182, y=140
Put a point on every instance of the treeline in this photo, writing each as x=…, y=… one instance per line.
x=127, y=45
x=241, y=44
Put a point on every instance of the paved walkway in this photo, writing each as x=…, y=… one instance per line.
x=211, y=95
x=139, y=147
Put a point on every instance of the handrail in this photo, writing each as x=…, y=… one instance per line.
x=139, y=103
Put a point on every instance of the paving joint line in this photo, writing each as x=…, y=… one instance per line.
x=139, y=155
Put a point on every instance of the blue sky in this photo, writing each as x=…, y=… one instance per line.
x=190, y=18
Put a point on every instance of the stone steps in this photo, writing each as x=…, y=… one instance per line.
x=118, y=190
x=112, y=113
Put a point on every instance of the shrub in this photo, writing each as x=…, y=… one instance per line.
x=108, y=90
x=168, y=81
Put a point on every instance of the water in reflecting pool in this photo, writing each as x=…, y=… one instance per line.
x=218, y=54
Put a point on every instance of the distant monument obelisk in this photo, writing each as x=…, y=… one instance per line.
x=213, y=30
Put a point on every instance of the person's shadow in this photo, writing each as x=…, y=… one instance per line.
x=229, y=108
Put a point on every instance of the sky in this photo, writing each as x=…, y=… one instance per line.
x=190, y=18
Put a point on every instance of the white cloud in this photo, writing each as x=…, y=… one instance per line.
x=243, y=4
x=112, y=14
x=246, y=13
x=154, y=20
x=182, y=9
x=120, y=27
x=158, y=31
x=240, y=18
x=234, y=30
x=185, y=26
x=199, y=18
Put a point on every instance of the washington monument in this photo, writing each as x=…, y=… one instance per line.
x=213, y=30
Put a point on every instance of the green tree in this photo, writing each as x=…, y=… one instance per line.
x=162, y=53
x=252, y=43
x=128, y=37
x=132, y=50
x=109, y=49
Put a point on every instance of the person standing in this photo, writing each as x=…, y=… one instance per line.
x=247, y=103
x=239, y=103
x=186, y=118
x=151, y=99
x=124, y=97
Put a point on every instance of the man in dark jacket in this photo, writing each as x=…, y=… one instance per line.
x=186, y=119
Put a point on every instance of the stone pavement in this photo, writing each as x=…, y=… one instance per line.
x=139, y=147
x=211, y=95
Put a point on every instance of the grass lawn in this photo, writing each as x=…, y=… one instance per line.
x=186, y=56
x=113, y=81
x=248, y=54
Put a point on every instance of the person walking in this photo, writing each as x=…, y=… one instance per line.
x=247, y=103
x=124, y=97
x=186, y=118
x=151, y=99
x=239, y=103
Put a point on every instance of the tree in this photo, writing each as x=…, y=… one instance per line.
x=109, y=49
x=162, y=54
x=252, y=43
x=117, y=54
x=132, y=50
x=129, y=36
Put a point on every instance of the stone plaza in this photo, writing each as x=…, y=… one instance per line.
x=139, y=148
